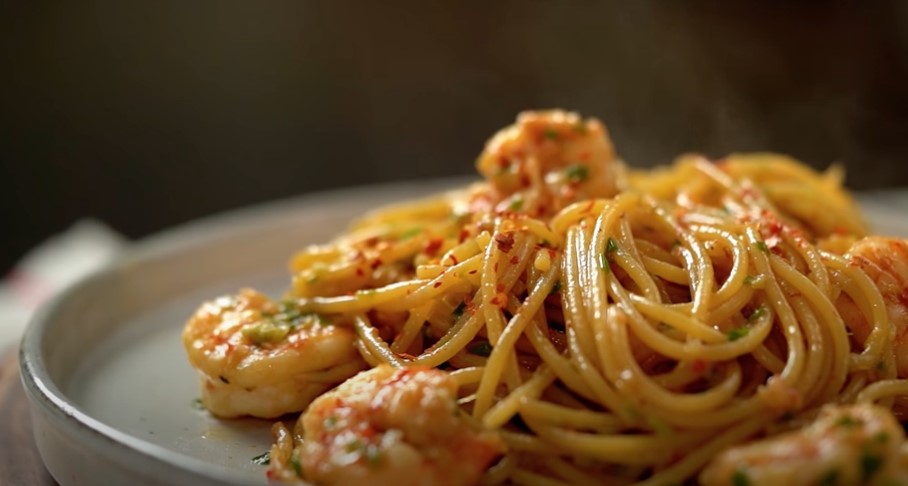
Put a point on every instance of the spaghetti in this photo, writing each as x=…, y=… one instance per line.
x=611, y=327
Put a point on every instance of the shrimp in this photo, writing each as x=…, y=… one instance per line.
x=547, y=160
x=856, y=444
x=885, y=261
x=391, y=426
x=259, y=358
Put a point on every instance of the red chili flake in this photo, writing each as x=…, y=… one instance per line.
x=472, y=272
x=525, y=179
x=499, y=287
x=376, y=263
x=360, y=272
x=471, y=306
x=505, y=241
x=698, y=366
x=453, y=259
x=371, y=241
x=432, y=246
x=514, y=260
x=464, y=234
x=436, y=284
x=499, y=300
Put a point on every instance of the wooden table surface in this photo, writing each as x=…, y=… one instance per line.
x=20, y=465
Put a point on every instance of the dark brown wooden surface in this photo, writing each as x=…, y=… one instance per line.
x=20, y=465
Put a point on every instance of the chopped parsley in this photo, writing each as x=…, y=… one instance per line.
x=611, y=246
x=740, y=478
x=262, y=459
x=603, y=263
x=410, y=233
x=481, y=349
x=330, y=421
x=197, y=404
x=761, y=245
x=870, y=464
x=881, y=437
x=353, y=446
x=750, y=279
x=757, y=313
x=551, y=134
x=297, y=467
x=515, y=204
x=848, y=422
x=738, y=333
x=555, y=288
x=577, y=173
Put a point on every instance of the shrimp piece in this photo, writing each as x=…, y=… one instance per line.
x=547, y=160
x=391, y=426
x=885, y=261
x=856, y=444
x=259, y=358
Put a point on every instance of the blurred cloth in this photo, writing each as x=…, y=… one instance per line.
x=49, y=268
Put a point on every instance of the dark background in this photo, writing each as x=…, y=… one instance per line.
x=147, y=114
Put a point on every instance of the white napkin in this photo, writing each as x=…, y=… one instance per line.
x=49, y=268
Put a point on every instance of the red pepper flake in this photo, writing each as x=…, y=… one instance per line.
x=464, y=234
x=499, y=300
x=505, y=241
x=376, y=263
x=515, y=259
x=360, y=272
x=436, y=284
x=698, y=366
x=453, y=259
x=432, y=246
x=472, y=272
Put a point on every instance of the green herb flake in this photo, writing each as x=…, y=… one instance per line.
x=577, y=173
x=757, y=314
x=330, y=421
x=550, y=134
x=458, y=311
x=353, y=446
x=580, y=127
x=197, y=404
x=410, y=233
x=516, y=204
x=848, y=422
x=603, y=263
x=481, y=349
x=738, y=333
x=881, y=366
x=268, y=331
x=870, y=464
x=373, y=455
x=555, y=288
x=881, y=437
x=611, y=246
x=262, y=459
x=740, y=478
x=761, y=245
x=750, y=279
x=297, y=467
x=831, y=478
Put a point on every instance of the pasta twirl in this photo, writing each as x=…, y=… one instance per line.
x=589, y=324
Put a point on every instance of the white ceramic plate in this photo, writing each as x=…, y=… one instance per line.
x=111, y=391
